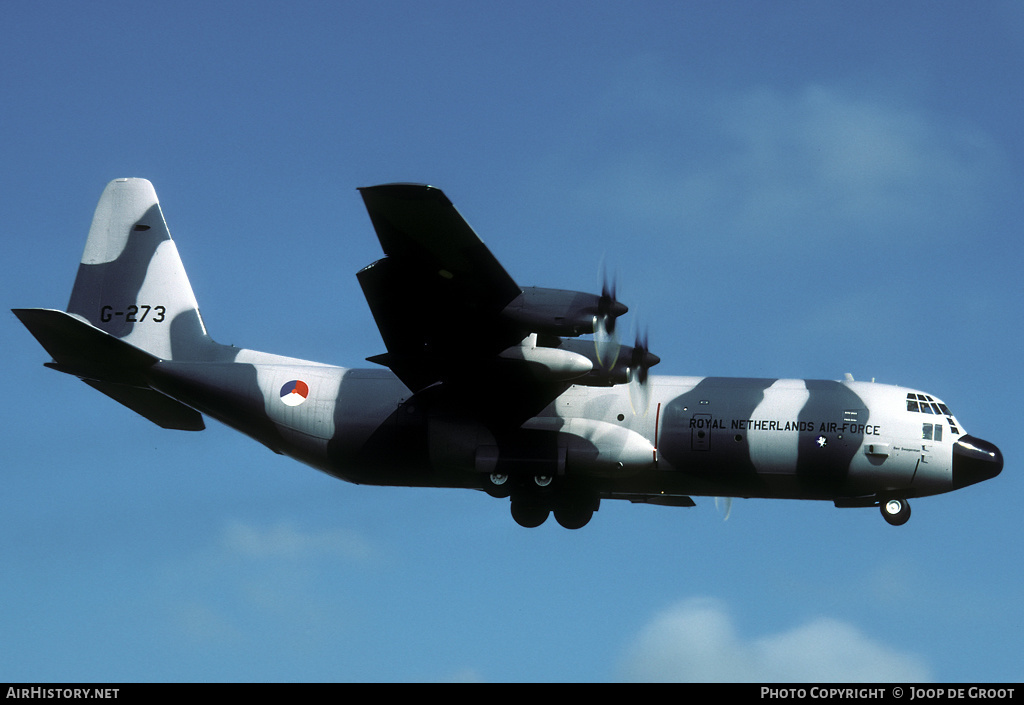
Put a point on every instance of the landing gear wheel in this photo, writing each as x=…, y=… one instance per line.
x=896, y=511
x=529, y=514
x=573, y=517
x=497, y=485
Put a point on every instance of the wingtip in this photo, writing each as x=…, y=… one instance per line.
x=405, y=191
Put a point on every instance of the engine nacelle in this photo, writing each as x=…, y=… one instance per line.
x=553, y=363
x=560, y=312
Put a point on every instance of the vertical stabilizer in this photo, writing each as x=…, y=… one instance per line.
x=131, y=282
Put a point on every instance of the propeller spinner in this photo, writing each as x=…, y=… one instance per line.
x=609, y=309
x=641, y=360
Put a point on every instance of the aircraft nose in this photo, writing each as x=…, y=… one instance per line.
x=975, y=460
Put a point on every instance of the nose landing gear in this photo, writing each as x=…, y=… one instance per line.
x=895, y=511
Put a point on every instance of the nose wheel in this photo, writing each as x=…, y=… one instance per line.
x=896, y=511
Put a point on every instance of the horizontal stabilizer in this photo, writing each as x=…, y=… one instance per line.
x=81, y=349
x=107, y=364
x=158, y=408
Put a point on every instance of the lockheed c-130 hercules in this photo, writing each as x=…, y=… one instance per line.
x=487, y=385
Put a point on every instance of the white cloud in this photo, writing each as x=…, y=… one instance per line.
x=816, y=161
x=253, y=577
x=285, y=541
x=822, y=155
x=696, y=641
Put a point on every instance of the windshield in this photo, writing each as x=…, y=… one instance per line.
x=924, y=404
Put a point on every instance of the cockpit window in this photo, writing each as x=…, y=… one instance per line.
x=924, y=404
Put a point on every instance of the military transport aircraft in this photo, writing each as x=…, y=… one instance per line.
x=487, y=385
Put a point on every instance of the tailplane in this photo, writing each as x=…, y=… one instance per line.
x=131, y=307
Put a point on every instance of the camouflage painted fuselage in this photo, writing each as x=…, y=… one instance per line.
x=713, y=436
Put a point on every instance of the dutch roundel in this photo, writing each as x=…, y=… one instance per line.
x=294, y=392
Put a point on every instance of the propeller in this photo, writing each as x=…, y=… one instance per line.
x=641, y=360
x=724, y=505
x=609, y=309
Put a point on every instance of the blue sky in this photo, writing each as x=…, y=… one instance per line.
x=792, y=189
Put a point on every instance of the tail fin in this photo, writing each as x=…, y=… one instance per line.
x=131, y=282
x=131, y=306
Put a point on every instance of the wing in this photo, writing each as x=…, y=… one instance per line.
x=419, y=224
x=438, y=294
x=449, y=312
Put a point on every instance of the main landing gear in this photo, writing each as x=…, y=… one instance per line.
x=535, y=497
x=895, y=511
